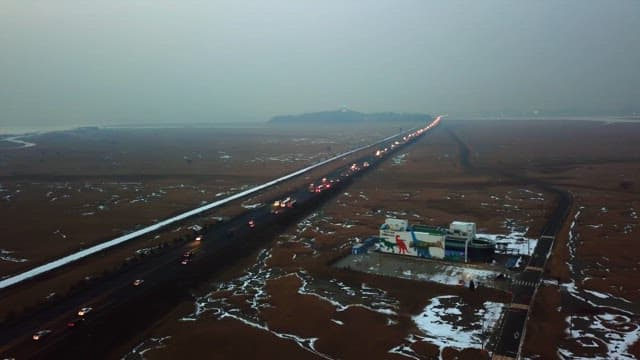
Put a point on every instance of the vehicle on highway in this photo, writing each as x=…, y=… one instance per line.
x=252, y=223
x=84, y=311
x=138, y=282
x=199, y=238
x=75, y=322
x=280, y=205
x=40, y=334
x=276, y=207
x=185, y=261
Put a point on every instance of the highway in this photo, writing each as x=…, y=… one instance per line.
x=42, y=269
x=122, y=311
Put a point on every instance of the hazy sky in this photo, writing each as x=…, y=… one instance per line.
x=66, y=62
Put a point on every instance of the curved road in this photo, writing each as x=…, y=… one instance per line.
x=525, y=285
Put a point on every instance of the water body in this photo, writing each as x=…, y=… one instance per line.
x=17, y=140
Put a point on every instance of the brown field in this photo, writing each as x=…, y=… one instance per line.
x=295, y=298
x=76, y=188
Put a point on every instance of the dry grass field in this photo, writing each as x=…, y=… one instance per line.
x=286, y=300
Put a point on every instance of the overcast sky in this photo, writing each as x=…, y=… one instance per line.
x=66, y=62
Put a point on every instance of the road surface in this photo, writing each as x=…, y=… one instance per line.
x=121, y=311
x=525, y=285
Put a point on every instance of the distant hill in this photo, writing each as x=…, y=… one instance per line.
x=347, y=117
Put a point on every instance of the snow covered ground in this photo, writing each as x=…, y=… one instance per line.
x=252, y=287
x=515, y=242
x=442, y=324
x=147, y=345
x=609, y=329
x=5, y=255
x=608, y=333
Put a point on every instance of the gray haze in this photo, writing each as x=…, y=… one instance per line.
x=65, y=63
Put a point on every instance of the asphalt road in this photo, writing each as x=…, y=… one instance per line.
x=525, y=285
x=121, y=311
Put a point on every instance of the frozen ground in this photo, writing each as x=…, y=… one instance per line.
x=611, y=327
x=514, y=242
x=138, y=352
x=610, y=333
x=446, y=322
x=5, y=255
x=251, y=289
x=442, y=323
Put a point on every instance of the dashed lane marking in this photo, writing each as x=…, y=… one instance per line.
x=524, y=283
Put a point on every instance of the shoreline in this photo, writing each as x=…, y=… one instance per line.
x=16, y=140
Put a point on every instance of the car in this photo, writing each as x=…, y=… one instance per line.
x=75, y=322
x=199, y=237
x=40, y=334
x=84, y=311
x=252, y=224
x=185, y=261
x=138, y=282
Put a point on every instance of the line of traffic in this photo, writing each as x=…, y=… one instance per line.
x=138, y=233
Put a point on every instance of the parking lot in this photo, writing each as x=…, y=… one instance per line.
x=440, y=271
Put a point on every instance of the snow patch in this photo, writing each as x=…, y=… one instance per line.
x=607, y=332
x=4, y=255
x=442, y=326
x=147, y=345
